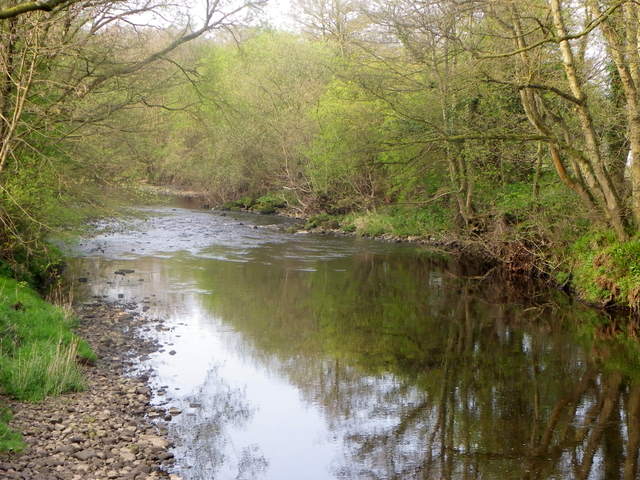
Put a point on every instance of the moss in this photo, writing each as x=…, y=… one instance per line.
x=265, y=209
x=232, y=206
x=246, y=202
x=267, y=204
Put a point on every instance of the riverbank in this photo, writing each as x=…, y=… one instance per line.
x=350, y=225
x=109, y=430
x=592, y=265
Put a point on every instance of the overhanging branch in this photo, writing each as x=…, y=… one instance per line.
x=25, y=7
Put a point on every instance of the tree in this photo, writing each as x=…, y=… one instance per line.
x=564, y=110
x=54, y=68
x=336, y=21
x=63, y=76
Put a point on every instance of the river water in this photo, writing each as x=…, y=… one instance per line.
x=304, y=357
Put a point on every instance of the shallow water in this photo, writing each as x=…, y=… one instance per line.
x=318, y=357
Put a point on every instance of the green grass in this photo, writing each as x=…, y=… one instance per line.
x=268, y=204
x=10, y=441
x=323, y=220
x=606, y=270
x=400, y=221
x=38, y=350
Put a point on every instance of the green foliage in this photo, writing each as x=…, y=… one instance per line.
x=234, y=206
x=268, y=204
x=514, y=199
x=607, y=270
x=324, y=221
x=349, y=137
x=246, y=202
x=38, y=350
x=37, y=268
x=246, y=140
x=42, y=197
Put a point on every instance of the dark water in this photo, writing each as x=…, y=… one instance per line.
x=314, y=357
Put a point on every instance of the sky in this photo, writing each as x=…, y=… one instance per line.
x=278, y=14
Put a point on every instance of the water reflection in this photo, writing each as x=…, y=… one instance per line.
x=215, y=408
x=323, y=358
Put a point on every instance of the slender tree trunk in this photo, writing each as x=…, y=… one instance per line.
x=7, y=67
x=531, y=104
x=612, y=202
x=536, y=175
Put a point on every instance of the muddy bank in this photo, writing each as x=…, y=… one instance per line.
x=109, y=431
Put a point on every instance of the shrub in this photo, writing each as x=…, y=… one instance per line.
x=268, y=204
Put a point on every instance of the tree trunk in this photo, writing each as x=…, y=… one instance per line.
x=594, y=158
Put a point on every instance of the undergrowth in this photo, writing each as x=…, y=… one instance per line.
x=266, y=204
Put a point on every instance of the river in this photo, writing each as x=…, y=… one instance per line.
x=316, y=357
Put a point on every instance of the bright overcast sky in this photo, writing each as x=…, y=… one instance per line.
x=278, y=13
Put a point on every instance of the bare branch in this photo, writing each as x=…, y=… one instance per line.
x=588, y=29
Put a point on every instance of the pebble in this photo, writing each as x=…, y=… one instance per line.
x=105, y=432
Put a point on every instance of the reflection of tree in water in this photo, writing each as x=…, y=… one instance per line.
x=251, y=463
x=204, y=438
x=424, y=375
x=496, y=403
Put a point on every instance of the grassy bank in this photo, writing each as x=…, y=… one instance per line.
x=393, y=221
x=39, y=352
x=605, y=271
